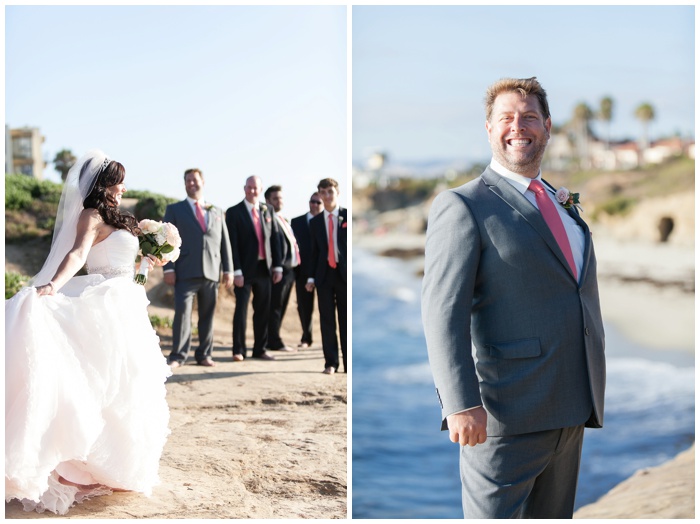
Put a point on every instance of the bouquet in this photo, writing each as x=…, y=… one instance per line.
x=160, y=239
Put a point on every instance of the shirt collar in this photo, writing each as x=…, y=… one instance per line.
x=192, y=201
x=519, y=182
x=251, y=206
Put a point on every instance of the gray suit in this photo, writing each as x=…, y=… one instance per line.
x=197, y=271
x=495, y=279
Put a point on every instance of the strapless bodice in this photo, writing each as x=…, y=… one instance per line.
x=115, y=256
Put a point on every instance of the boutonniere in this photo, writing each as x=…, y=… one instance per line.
x=567, y=199
x=209, y=207
x=340, y=221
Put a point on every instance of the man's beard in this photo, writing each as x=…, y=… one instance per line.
x=518, y=163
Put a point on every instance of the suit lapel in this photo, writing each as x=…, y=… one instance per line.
x=511, y=196
x=248, y=218
x=266, y=226
x=190, y=212
x=587, y=241
x=321, y=233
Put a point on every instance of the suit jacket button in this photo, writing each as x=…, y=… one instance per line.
x=587, y=332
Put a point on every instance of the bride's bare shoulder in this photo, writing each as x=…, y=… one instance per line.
x=90, y=214
x=90, y=221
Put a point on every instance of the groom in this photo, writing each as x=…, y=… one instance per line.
x=205, y=252
x=511, y=273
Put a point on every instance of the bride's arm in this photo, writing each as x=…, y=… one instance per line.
x=87, y=231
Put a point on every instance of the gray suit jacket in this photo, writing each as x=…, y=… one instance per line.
x=496, y=279
x=202, y=254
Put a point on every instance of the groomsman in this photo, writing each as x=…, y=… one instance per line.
x=251, y=226
x=305, y=300
x=204, y=253
x=290, y=257
x=328, y=272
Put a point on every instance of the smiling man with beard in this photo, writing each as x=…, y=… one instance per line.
x=512, y=321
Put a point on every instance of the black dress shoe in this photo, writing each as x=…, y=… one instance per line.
x=264, y=356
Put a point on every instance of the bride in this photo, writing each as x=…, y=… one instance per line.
x=85, y=409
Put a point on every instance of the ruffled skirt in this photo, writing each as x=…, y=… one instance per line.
x=84, y=393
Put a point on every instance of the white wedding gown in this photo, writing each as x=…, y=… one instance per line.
x=84, y=386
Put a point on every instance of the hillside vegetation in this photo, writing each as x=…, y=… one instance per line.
x=30, y=215
x=608, y=192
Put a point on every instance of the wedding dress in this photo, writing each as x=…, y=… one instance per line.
x=84, y=386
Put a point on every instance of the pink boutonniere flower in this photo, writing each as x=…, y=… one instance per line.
x=567, y=198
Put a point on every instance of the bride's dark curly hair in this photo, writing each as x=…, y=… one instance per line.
x=105, y=204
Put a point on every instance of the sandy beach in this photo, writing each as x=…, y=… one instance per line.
x=647, y=293
x=249, y=440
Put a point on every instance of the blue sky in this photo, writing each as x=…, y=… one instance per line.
x=419, y=73
x=233, y=90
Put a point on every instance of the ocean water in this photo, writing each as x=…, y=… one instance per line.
x=403, y=466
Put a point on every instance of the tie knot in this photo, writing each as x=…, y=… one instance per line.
x=536, y=186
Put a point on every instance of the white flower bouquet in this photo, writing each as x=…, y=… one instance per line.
x=160, y=239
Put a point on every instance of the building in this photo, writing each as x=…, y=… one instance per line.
x=562, y=153
x=23, y=152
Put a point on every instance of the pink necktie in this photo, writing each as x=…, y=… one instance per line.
x=551, y=216
x=200, y=216
x=331, y=245
x=259, y=234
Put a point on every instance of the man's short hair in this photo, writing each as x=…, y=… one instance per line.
x=270, y=190
x=328, y=182
x=194, y=170
x=524, y=86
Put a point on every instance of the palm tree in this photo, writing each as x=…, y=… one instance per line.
x=605, y=114
x=644, y=113
x=582, y=116
x=63, y=161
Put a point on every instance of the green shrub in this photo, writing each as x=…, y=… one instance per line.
x=16, y=198
x=150, y=205
x=13, y=283
x=620, y=205
x=22, y=190
x=160, y=322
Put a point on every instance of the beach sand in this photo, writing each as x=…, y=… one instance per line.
x=647, y=293
x=250, y=440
